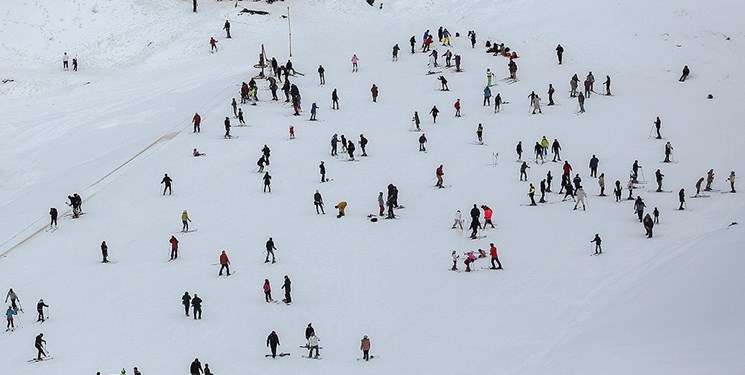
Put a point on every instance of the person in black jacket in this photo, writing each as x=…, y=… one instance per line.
x=309, y=331
x=318, y=202
x=53, y=216
x=105, y=252
x=287, y=286
x=272, y=341
x=322, y=169
x=321, y=74
x=270, y=250
x=686, y=72
x=167, y=181
x=196, y=367
x=227, y=28
x=186, y=301
x=559, y=52
x=597, y=241
x=363, y=144
x=40, y=310
x=38, y=345
x=196, y=303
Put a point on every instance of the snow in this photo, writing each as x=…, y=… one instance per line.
x=666, y=305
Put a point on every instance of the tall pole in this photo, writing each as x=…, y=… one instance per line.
x=289, y=28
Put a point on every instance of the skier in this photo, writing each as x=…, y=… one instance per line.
x=617, y=191
x=535, y=101
x=197, y=120
x=365, y=347
x=581, y=198
x=455, y=261
x=607, y=85
x=682, y=198
x=318, y=202
x=513, y=69
x=549, y=178
x=538, y=151
x=519, y=150
x=487, y=96
x=313, y=110
x=543, y=191
x=261, y=162
x=709, y=179
x=597, y=241
x=658, y=177
x=39, y=343
x=434, y=111
x=730, y=179
x=698, y=186
x=494, y=257
x=457, y=107
x=395, y=52
x=196, y=367
x=457, y=63
x=186, y=301
x=457, y=221
x=272, y=341
x=267, y=288
x=174, y=247
x=270, y=250
x=487, y=216
x=475, y=224
x=412, y=42
x=497, y=103
x=657, y=124
x=289, y=68
x=443, y=83
x=224, y=263
x=267, y=182
x=685, y=74
x=196, y=304
x=656, y=214
x=581, y=102
x=551, y=91
x=480, y=133
x=472, y=34
x=206, y=369
x=227, y=128
x=185, y=221
x=313, y=344
x=635, y=171
x=439, y=173
x=556, y=150
x=573, y=83
x=569, y=191
x=594, y=166
x=105, y=252
x=355, y=67
x=240, y=117
x=76, y=203
x=334, y=142
x=470, y=258
x=40, y=310
x=65, y=61
x=341, y=206
x=9, y=316
x=53, y=217
x=322, y=169
x=227, y=28
x=648, y=225
x=334, y=100
x=292, y=132
x=639, y=208
x=489, y=77
x=213, y=43
x=591, y=78
x=350, y=149
x=559, y=52
x=321, y=77
x=531, y=194
x=14, y=300
x=524, y=171
x=601, y=183
x=416, y=121
x=448, y=57
x=381, y=204
x=363, y=144
x=287, y=286
x=167, y=181
x=668, y=151
x=286, y=90
x=374, y=91
x=194, y=3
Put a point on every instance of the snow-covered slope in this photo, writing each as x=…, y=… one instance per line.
x=665, y=305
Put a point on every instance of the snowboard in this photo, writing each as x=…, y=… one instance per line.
x=305, y=356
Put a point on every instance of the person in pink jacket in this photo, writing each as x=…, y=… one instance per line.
x=470, y=258
x=267, y=291
x=487, y=216
x=355, y=59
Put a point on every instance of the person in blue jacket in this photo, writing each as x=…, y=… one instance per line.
x=9, y=315
x=487, y=96
x=313, y=109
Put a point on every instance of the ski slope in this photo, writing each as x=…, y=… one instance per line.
x=667, y=305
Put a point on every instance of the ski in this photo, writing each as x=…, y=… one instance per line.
x=232, y=136
x=700, y=196
x=492, y=268
x=316, y=357
x=278, y=355
x=188, y=231
x=371, y=357
x=35, y=360
x=477, y=237
x=443, y=187
x=660, y=191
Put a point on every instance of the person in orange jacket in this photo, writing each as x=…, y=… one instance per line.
x=494, y=257
x=224, y=263
x=341, y=206
x=487, y=216
x=174, y=247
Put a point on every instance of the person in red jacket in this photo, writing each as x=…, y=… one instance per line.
x=196, y=120
x=439, y=174
x=457, y=107
x=487, y=216
x=174, y=247
x=224, y=263
x=213, y=44
x=567, y=168
x=494, y=257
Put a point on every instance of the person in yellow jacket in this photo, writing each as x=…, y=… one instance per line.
x=544, y=144
x=185, y=220
x=531, y=194
x=341, y=206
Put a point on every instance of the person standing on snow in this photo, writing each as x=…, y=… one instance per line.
x=104, y=252
x=455, y=261
x=556, y=150
x=355, y=60
x=227, y=28
x=267, y=182
x=65, y=61
x=374, y=92
x=559, y=52
x=365, y=347
x=334, y=142
x=196, y=367
x=581, y=102
x=709, y=179
x=601, y=183
x=167, y=181
x=334, y=100
x=475, y=224
x=39, y=343
x=730, y=179
x=639, y=208
x=227, y=128
x=489, y=77
x=457, y=221
x=322, y=170
x=457, y=107
x=270, y=250
x=668, y=152
x=487, y=216
x=174, y=247
x=457, y=63
x=14, y=300
x=524, y=171
x=186, y=301
x=224, y=263
x=682, y=198
x=318, y=202
x=685, y=74
x=185, y=221
x=581, y=198
x=648, y=225
x=531, y=194
x=40, y=310
x=381, y=204
x=53, y=217
x=272, y=341
x=287, y=286
x=434, y=111
x=313, y=345
x=412, y=42
x=607, y=85
x=439, y=173
x=597, y=241
x=480, y=134
x=487, y=96
x=196, y=304
x=519, y=150
x=240, y=117
x=443, y=83
x=395, y=52
x=9, y=317
x=197, y=120
x=551, y=91
x=213, y=43
x=657, y=125
x=594, y=166
x=494, y=257
x=658, y=177
x=363, y=144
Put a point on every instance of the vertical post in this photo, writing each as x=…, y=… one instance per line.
x=289, y=28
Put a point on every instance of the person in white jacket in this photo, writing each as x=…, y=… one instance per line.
x=457, y=221
x=313, y=344
x=581, y=198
